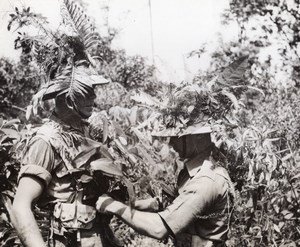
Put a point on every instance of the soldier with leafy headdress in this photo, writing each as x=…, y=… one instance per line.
x=200, y=213
x=63, y=169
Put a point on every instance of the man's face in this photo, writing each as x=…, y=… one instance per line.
x=190, y=145
x=178, y=145
x=84, y=104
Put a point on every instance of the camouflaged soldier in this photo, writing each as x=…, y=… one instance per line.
x=199, y=215
x=56, y=170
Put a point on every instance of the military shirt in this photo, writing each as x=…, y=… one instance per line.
x=201, y=209
x=53, y=154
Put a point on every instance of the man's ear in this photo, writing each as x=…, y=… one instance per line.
x=69, y=103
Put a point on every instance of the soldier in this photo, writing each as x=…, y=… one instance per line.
x=56, y=169
x=199, y=215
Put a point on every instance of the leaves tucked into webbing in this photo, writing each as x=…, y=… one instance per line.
x=106, y=166
x=109, y=168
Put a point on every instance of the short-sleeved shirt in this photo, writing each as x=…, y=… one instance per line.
x=201, y=209
x=52, y=154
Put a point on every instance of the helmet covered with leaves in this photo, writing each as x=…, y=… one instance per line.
x=74, y=80
x=64, y=56
x=201, y=108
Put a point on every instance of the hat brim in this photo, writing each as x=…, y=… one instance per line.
x=196, y=129
x=59, y=88
x=166, y=132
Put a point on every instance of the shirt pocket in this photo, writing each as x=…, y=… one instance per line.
x=85, y=214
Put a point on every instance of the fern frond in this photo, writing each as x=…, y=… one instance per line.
x=78, y=86
x=72, y=88
x=81, y=24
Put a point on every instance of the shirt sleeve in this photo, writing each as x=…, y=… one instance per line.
x=38, y=160
x=193, y=201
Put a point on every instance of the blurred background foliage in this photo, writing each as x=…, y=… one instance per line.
x=267, y=172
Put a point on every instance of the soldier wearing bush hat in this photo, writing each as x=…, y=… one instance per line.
x=57, y=167
x=199, y=215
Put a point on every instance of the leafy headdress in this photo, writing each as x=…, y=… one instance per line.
x=202, y=108
x=65, y=61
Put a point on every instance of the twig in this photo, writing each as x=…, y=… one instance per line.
x=18, y=108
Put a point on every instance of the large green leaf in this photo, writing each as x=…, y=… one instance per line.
x=107, y=166
x=11, y=133
x=234, y=73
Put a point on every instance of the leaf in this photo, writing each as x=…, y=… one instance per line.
x=233, y=73
x=190, y=108
x=11, y=133
x=296, y=176
x=105, y=129
x=8, y=193
x=146, y=99
x=11, y=122
x=140, y=136
x=287, y=157
x=118, y=129
x=28, y=112
x=107, y=166
x=85, y=178
x=145, y=154
x=276, y=228
x=256, y=89
x=130, y=190
x=164, y=152
x=168, y=189
x=7, y=203
x=232, y=98
x=255, y=128
x=273, y=139
x=285, y=212
x=84, y=156
x=289, y=216
x=9, y=25
x=104, y=151
x=133, y=115
x=80, y=23
x=123, y=140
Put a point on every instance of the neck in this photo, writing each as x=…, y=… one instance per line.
x=69, y=118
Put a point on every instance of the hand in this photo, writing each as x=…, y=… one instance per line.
x=103, y=203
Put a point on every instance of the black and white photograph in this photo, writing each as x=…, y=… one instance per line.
x=136, y=123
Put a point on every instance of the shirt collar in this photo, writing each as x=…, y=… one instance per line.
x=195, y=164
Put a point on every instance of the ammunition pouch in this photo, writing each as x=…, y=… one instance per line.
x=73, y=216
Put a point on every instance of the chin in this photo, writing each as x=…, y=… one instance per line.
x=85, y=115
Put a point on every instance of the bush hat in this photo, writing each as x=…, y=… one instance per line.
x=84, y=76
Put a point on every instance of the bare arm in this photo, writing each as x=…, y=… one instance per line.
x=146, y=223
x=29, y=189
x=150, y=205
